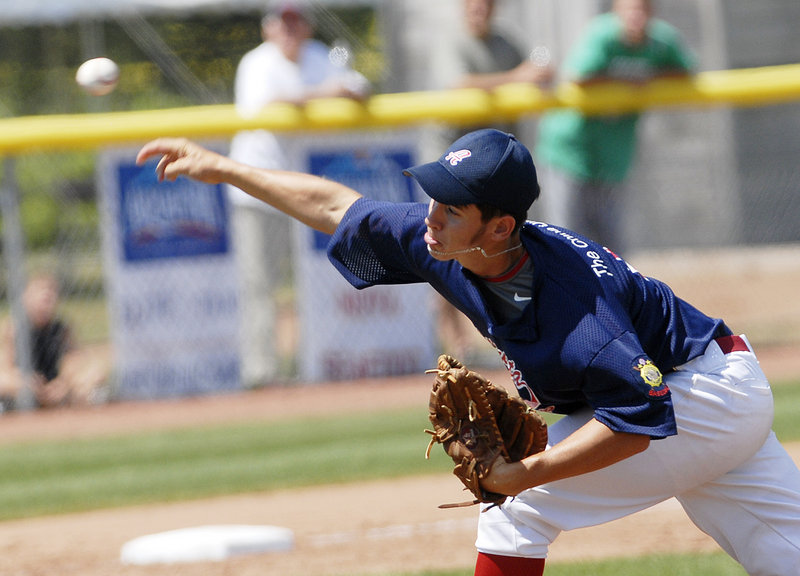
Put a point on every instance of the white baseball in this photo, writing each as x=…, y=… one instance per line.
x=98, y=76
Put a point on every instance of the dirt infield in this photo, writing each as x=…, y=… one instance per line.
x=352, y=529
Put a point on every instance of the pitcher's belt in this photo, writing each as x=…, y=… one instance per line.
x=730, y=344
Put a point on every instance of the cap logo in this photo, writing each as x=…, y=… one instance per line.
x=455, y=157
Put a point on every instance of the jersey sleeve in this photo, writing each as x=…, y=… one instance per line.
x=627, y=390
x=376, y=243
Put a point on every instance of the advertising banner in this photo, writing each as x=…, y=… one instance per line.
x=348, y=333
x=171, y=282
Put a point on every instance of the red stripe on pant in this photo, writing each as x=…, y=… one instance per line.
x=491, y=565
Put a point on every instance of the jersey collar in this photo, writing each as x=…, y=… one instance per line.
x=508, y=275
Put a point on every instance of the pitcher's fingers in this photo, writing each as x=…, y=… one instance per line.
x=161, y=167
x=159, y=146
x=147, y=151
x=169, y=167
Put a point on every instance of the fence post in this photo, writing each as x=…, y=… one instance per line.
x=14, y=256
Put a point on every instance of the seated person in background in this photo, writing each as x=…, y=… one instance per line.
x=61, y=373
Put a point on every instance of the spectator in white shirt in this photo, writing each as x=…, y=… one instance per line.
x=289, y=66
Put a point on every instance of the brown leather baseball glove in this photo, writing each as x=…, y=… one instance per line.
x=476, y=421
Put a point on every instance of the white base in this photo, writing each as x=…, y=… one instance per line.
x=206, y=543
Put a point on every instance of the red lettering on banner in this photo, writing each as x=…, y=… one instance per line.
x=370, y=364
x=367, y=303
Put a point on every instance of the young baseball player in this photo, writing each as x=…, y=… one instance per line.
x=660, y=399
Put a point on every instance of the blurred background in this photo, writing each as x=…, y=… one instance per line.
x=705, y=178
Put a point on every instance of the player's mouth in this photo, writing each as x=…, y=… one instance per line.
x=435, y=247
x=430, y=240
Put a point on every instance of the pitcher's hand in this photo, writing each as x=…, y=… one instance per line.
x=181, y=157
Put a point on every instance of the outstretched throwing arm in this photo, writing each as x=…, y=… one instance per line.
x=312, y=200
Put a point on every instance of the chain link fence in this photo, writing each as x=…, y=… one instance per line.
x=705, y=178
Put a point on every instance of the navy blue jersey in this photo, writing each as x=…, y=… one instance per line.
x=596, y=333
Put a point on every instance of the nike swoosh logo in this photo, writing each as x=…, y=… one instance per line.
x=518, y=298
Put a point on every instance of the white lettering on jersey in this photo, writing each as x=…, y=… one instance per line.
x=599, y=267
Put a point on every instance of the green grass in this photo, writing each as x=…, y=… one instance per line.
x=75, y=475
x=787, y=411
x=673, y=565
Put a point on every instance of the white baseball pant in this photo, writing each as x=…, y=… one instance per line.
x=725, y=466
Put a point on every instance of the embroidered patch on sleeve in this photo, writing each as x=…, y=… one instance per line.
x=651, y=375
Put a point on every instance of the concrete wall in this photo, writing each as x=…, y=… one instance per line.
x=766, y=141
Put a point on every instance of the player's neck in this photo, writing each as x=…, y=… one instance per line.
x=495, y=262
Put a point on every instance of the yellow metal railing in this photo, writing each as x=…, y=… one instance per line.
x=739, y=88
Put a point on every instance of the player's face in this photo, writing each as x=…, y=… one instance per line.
x=453, y=230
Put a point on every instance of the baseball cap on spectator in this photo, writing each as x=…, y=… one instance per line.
x=482, y=167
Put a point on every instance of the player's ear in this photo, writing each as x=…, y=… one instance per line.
x=503, y=226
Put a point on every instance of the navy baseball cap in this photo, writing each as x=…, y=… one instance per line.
x=483, y=167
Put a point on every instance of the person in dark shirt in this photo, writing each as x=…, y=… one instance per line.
x=59, y=375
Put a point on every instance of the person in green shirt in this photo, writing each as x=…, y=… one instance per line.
x=584, y=160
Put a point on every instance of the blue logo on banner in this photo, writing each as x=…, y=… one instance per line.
x=169, y=219
x=375, y=174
